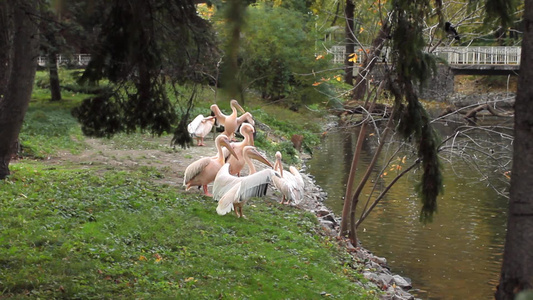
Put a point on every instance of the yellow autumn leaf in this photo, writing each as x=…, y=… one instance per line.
x=403, y=159
x=353, y=57
x=338, y=78
x=142, y=257
x=361, y=30
x=189, y=279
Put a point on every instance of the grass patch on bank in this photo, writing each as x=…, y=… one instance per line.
x=49, y=127
x=87, y=233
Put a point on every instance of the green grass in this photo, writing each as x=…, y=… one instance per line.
x=49, y=128
x=92, y=233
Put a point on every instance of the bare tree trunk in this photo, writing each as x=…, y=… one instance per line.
x=517, y=268
x=17, y=78
x=347, y=206
x=349, y=11
x=345, y=219
x=362, y=182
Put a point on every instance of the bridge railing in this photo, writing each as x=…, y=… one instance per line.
x=480, y=55
x=454, y=55
x=74, y=60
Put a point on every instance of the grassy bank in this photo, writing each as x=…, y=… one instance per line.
x=82, y=233
x=83, y=230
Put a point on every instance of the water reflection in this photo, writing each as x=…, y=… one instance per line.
x=458, y=255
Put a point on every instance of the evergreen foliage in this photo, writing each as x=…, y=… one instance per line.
x=412, y=64
x=140, y=44
x=502, y=10
x=99, y=116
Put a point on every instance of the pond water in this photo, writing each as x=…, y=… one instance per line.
x=458, y=255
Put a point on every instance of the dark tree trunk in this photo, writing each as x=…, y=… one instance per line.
x=20, y=52
x=350, y=41
x=517, y=268
x=55, y=89
x=49, y=31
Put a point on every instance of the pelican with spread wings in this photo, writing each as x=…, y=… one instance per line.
x=232, y=192
x=230, y=122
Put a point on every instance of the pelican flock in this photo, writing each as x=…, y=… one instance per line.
x=230, y=189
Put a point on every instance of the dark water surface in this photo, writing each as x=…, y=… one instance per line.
x=458, y=255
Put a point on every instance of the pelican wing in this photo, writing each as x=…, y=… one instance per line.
x=296, y=190
x=225, y=204
x=297, y=176
x=195, y=168
x=246, y=117
x=287, y=186
x=223, y=182
x=204, y=127
x=193, y=126
x=255, y=185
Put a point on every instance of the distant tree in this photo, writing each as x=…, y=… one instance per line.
x=277, y=45
x=50, y=45
x=20, y=46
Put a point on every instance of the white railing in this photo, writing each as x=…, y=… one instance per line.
x=76, y=60
x=454, y=55
x=480, y=55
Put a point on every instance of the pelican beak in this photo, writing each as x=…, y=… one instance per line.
x=253, y=137
x=239, y=107
x=253, y=153
x=226, y=143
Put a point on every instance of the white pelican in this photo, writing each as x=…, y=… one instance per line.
x=290, y=184
x=200, y=127
x=229, y=122
x=236, y=164
x=203, y=171
x=232, y=192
